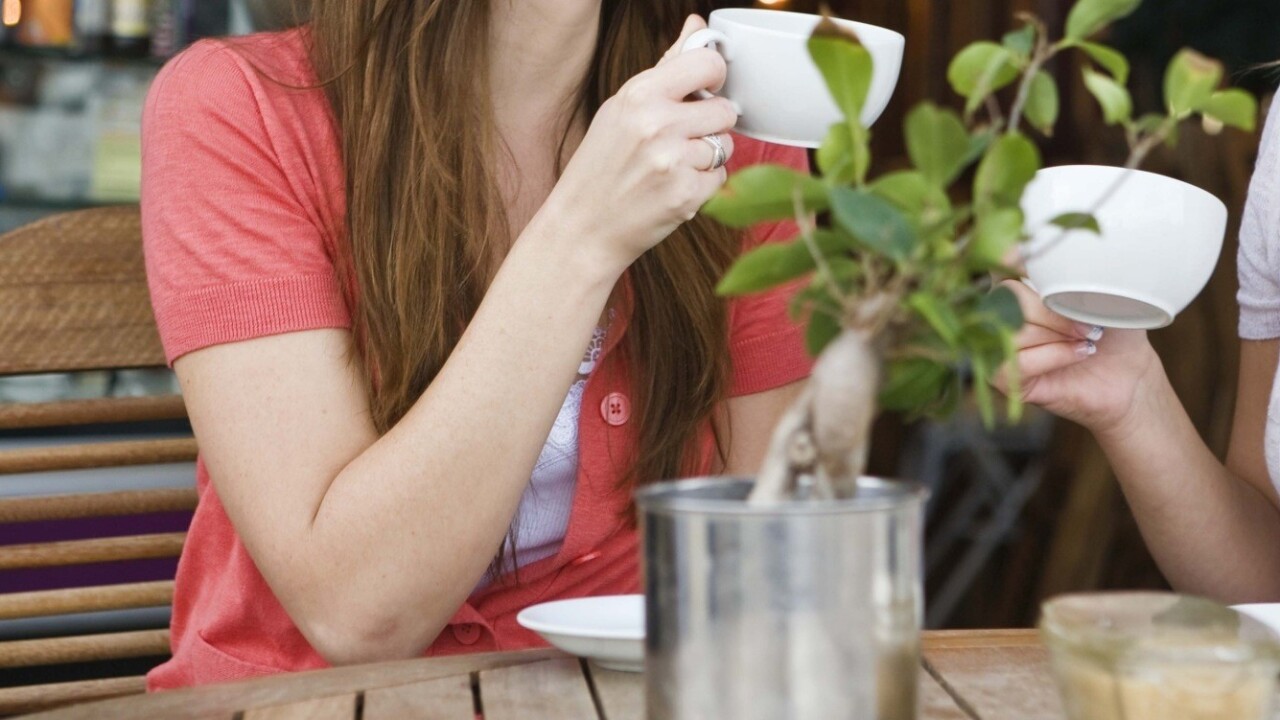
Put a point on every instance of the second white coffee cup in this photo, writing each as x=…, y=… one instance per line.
x=1159, y=245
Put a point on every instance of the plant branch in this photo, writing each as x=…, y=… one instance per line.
x=994, y=111
x=1044, y=52
x=1139, y=152
x=806, y=223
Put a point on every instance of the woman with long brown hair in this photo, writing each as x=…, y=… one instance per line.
x=431, y=276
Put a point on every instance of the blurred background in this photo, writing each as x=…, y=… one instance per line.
x=1017, y=515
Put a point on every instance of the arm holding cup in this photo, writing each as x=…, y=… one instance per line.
x=1213, y=528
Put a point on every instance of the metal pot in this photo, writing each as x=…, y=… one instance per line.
x=807, y=610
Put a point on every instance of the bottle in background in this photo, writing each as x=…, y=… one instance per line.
x=46, y=24
x=92, y=26
x=130, y=28
x=168, y=26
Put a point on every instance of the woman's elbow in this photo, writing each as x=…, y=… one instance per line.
x=352, y=638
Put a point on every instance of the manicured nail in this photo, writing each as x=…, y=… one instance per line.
x=1086, y=349
x=1092, y=333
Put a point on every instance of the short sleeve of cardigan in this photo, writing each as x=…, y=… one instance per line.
x=1259, y=255
x=233, y=250
x=767, y=346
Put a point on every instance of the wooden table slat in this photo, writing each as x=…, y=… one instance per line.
x=443, y=699
x=548, y=689
x=621, y=694
x=1000, y=683
x=339, y=707
x=936, y=703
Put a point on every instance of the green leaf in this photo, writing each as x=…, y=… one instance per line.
x=938, y=143
x=875, y=222
x=772, y=264
x=979, y=142
x=922, y=202
x=938, y=314
x=845, y=154
x=1110, y=59
x=847, y=67
x=823, y=328
x=1077, y=221
x=1042, y=103
x=1010, y=163
x=912, y=385
x=979, y=70
x=765, y=192
x=1234, y=108
x=835, y=155
x=1021, y=41
x=995, y=233
x=1117, y=105
x=1189, y=82
x=1090, y=16
x=1003, y=306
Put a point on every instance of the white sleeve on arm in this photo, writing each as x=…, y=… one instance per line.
x=1259, y=257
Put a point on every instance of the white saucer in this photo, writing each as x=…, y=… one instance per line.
x=606, y=630
x=1266, y=613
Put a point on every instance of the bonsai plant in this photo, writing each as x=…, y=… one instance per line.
x=903, y=301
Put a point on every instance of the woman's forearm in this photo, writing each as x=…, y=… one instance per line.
x=413, y=522
x=1211, y=532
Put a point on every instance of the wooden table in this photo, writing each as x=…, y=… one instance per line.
x=990, y=674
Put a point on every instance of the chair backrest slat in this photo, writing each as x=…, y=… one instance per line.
x=88, y=599
x=67, y=413
x=97, y=455
x=31, y=698
x=83, y=648
x=99, y=504
x=97, y=550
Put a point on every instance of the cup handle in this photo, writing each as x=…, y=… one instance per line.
x=716, y=40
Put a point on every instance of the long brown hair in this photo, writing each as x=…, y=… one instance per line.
x=425, y=221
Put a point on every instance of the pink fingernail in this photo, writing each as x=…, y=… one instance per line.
x=1086, y=349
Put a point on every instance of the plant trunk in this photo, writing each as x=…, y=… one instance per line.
x=819, y=449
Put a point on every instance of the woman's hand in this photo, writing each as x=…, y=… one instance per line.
x=643, y=169
x=1077, y=372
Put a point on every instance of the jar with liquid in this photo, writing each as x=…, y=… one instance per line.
x=1141, y=656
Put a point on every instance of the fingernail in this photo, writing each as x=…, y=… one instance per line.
x=1086, y=349
x=1092, y=333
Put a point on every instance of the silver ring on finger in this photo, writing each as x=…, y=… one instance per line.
x=721, y=156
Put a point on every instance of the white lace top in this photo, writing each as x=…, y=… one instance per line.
x=543, y=517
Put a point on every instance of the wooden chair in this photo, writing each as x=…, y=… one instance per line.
x=73, y=297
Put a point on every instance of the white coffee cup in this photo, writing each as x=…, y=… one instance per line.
x=780, y=93
x=1160, y=242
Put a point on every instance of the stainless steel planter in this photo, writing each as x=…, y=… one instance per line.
x=794, y=612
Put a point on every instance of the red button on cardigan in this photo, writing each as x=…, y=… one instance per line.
x=616, y=409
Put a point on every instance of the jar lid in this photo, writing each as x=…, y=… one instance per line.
x=1122, y=629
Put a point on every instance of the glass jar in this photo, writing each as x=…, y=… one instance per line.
x=1137, y=656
